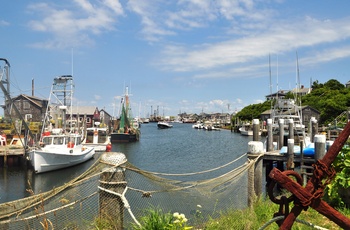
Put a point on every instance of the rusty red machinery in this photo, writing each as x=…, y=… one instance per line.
x=310, y=195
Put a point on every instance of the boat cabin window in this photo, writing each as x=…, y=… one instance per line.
x=71, y=140
x=58, y=140
x=75, y=140
x=47, y=140
x=89, y=136
x=102, y=136
x=78, y=140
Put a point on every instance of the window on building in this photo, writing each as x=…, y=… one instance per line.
x=26, y=105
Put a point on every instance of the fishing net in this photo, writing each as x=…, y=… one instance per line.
x=116, y=191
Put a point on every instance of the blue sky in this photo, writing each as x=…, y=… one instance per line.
x=178, y=56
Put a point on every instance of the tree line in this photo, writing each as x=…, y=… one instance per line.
x=331, y=99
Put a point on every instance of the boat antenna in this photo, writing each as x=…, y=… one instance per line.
x=277, y=77
x=270, y=79
x=72, y=54
x=298, y=85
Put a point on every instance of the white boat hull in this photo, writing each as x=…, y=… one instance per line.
x=164, y=125
x=98, y=147
x=246, y=132
x=47, y=159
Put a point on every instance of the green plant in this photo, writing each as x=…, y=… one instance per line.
x=179, y=222
x=341, y=182
x=154, y=219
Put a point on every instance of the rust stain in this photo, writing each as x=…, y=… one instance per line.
x=310, y=195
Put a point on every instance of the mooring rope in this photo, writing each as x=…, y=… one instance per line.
x=124, y=200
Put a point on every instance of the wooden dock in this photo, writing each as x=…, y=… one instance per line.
x=11, y=155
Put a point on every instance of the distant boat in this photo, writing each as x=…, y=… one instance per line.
x=211, y=128
x=126, y=130
x=247, y=130
x=164, y=125
x=58, y=149
x=198, y=126
x=97, y=138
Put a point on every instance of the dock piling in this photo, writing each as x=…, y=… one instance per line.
x=255, y=149
x=112, y=182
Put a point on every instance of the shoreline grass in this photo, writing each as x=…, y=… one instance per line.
x=261, y=213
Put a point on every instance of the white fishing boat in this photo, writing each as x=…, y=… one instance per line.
x=97, y=138
x=59, y=147
x=58, y=150
x=164, y=125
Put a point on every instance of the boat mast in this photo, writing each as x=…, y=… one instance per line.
x=62, y=90
x=298, y=97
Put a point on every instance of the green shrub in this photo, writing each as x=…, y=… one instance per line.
x=336, y=191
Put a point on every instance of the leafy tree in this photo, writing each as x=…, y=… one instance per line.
x=334, y=85
x=330, y=99
x=253, y=111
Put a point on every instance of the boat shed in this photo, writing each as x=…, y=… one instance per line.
x=31, y=108
x=306, y=110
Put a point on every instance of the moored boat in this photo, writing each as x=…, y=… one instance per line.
x=97, y=138
x=58, y=148
x=164, y=125
x=125, y=130
x=247, y=130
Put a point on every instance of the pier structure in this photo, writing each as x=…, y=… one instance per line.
x=267, y=155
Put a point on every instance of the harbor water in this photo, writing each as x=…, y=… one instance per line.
x=180, y=149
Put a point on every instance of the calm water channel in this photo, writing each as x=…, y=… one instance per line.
x=180, y=149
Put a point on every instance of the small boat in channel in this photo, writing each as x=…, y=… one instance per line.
x=164, y=125
x=198, y=126
x=247, y=130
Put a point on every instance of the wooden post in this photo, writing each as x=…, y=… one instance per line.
x=255, y=148
x=303, y=168
x=328, y=144
x=314, y=128
x=281, y=135
x=290, y=154
x=320, y=146
x=111, y=206
x=256, y=129
x=269, y=136
x=291, y=128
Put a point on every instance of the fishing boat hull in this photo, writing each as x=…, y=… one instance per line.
x=49, y=159
x=124, y=137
